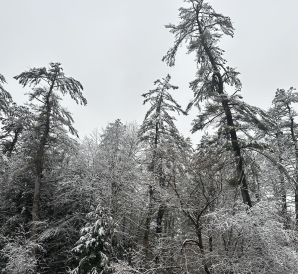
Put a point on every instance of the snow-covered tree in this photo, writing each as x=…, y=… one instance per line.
x=111, y=163
x=50, y=115
x=17, y=120
x=93, y=246
x=201, y=27
x=160, y=135
x=5, y=97
x=250, y=241
x=287, y=140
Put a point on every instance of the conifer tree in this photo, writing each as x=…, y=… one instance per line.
x=114, y=161
x=12, y=118
x=49, y=115
x=5, y=97
x=113, y=170
x=201, y=28
x=158, y=130
x=285, y=113
x=93, y=245
x=112, y=149
x=277, y=147
x=16, y=120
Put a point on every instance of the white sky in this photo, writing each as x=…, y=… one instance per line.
x=114, y=48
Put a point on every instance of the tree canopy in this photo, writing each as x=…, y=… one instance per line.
x=143, y=198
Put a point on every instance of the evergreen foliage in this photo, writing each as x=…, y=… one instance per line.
x=5, y=97
x=142, y=199
x=93, y=245
x=158, y=122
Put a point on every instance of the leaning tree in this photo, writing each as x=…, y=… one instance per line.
x=201, y=28
x=46, y=84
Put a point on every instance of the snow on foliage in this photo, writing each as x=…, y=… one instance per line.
x=251, y=240
x=92, y=247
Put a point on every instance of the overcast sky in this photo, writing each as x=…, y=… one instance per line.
x=114, y=48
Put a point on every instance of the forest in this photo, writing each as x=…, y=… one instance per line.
x=131, y=199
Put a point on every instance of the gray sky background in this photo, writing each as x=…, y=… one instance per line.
x=114, y=48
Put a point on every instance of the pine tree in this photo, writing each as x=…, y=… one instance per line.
x=93, y=246
x=112, y=169
x=285, y=113
x=13, y=119
x=201, y=28
x=5, y=97
x=50, y=115
x=16, y=120
x=158, y=131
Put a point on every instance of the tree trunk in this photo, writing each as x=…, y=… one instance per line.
x=282, y=188
x=294, y=139
x=296, y=205
x=39, y=165
x=200, y=244
x=35, y=207
x=230, y=123
x=36, y=197
x=148, y=222
x=160, y=214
